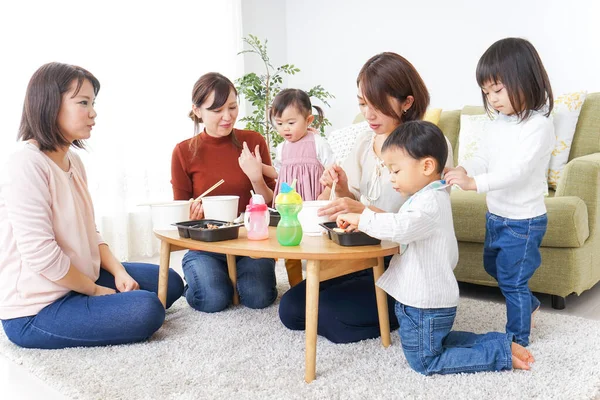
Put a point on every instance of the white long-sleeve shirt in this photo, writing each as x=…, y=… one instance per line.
x=512, y=163
x=422, y=276
x=46, y=225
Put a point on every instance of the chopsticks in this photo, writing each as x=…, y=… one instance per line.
x=210, y=189
x=199, y=198
x=332, y=194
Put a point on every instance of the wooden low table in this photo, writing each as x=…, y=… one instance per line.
x=325, y=260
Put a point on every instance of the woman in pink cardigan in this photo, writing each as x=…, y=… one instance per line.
x=60, y=285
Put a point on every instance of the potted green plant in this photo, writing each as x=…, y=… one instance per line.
x=260, y=90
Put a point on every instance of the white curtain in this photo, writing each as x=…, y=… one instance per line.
x=147, y=56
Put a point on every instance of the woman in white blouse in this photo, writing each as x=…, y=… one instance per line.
x=390, y=92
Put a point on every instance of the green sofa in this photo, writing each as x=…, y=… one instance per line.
x=571, y=247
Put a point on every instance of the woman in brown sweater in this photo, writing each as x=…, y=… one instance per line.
x=236, y=156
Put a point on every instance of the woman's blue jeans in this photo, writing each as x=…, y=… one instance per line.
x=347, y=307
x=210, y=289
x=511, y=254
x=431, y=347
x=77, y=320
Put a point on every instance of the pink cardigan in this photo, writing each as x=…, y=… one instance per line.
x=46, y=225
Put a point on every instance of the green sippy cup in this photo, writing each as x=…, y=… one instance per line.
x=289, y=203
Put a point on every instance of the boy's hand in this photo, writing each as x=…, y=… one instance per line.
x=458, y=176
x=348, y=222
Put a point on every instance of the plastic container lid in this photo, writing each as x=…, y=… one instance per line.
x=257, y=203
x=256, y=207
x=287, y=195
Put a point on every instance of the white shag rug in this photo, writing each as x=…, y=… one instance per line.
x=248, y=354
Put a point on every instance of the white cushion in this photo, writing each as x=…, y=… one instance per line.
x=565, y=113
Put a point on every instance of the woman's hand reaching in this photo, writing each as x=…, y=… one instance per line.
x=340, y=206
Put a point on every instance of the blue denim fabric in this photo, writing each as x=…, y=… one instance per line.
x=210, y=289
x=78, y=320
x=511, y=254
x=431, y=347
x=347, y=307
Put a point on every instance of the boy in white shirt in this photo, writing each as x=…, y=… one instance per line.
x=421, y=278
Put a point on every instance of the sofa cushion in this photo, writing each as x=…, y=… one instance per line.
x=587, y=133
x=450, y=124
x=567, y=219
x=565, y=114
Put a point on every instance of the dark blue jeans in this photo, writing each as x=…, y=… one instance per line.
x=432, y=347
x=210, y=289
x=77, y=320
x=347, y=308
x=511, y=254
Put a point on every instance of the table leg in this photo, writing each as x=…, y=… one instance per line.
x=163, y=272
x=312, y=318
x=382, y=305
x=232, y=270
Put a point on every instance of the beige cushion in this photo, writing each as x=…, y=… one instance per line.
x=567, y=219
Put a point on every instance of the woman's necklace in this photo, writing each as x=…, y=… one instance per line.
x=374, y=184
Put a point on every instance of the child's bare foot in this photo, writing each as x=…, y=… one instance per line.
x=521, y=356
x=533, y=315
x=519, y=364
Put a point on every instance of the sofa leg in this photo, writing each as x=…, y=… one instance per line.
x=558, y=302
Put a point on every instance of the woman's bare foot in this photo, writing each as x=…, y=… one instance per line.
x=521, y=357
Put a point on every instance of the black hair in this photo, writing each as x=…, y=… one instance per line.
x=419, y=139
x=296, y=98
x=43, y=100
x=517, y=65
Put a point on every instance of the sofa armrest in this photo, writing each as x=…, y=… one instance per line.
x=581, y=178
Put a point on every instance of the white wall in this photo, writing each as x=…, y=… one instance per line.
x=330, y=41
x=265, y=19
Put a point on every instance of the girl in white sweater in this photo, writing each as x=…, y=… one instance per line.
x=511, y=168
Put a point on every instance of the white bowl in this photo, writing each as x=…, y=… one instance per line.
x=309, y=219
x=163, y=215
x=222, y=208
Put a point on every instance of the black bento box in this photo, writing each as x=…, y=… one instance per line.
x=197, y=230
x=275, y=218
x=348, y=238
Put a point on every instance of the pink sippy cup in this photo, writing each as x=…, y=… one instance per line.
x=256, y=218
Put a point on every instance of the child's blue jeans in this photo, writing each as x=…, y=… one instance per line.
x=511, y=254
x=431, y=347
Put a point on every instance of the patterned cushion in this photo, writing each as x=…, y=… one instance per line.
x=342, y=140
x=565, y=113
x=472, y=129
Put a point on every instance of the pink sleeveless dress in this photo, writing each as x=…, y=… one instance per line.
x=299, y=160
